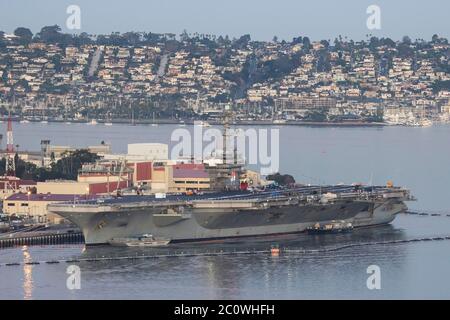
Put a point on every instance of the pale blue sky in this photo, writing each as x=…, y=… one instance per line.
x=262, y=19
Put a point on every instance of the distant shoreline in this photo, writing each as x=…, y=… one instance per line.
x=214, y=123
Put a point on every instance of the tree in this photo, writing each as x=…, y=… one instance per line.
x=67, y=167
x=24, y=170
x=407, y=40
x=297, y=40
x=50, y=34
x=281, y=179
x=388, y=42
x=242, y=42
x=405, y=50
x=82, y=39
x=132, y=38
x=25, y=35
x=184, y=36
x=325, y=43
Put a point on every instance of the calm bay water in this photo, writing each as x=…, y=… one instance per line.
x=417, y=158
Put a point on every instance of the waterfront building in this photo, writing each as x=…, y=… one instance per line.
x=151, y=151
x=34, y=206
x=189, y=177
x=10, y=185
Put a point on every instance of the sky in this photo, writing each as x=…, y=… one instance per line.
x=262, y=19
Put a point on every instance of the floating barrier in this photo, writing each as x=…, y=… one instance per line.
x=427, y=214
x=271, y=252
x=364, y=244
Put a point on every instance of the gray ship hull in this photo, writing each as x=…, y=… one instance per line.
x=205, y=221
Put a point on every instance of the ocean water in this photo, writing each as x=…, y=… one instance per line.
x=417, y=158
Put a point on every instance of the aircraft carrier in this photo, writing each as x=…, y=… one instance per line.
x=228, y=214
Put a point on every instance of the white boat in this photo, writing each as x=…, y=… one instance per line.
x=205, y=124
x=146, y=240
x=44, y=121
x=279, y=121
x=108, y=124
x=24, y=121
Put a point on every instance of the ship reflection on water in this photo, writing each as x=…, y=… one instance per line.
x=249, y=244
x=237, y=276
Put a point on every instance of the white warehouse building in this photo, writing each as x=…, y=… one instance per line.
x=151, y=151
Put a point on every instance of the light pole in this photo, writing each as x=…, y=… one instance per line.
x=28, y=207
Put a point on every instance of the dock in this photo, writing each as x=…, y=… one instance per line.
x=36, y=236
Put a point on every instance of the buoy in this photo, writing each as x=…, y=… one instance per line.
x=275, y=251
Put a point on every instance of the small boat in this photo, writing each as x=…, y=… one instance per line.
x=44, y=121
x=93, y=122
x=24, y=121
x=108, y=124
x=275, y=251
x=331, y=227
x=146, y=240
x=205, y=124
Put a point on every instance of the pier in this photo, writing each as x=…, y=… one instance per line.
x=33, y=238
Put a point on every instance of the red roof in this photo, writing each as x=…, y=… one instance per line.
x=190, y=170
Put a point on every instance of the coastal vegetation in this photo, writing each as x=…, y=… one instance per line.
x=65, y=168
